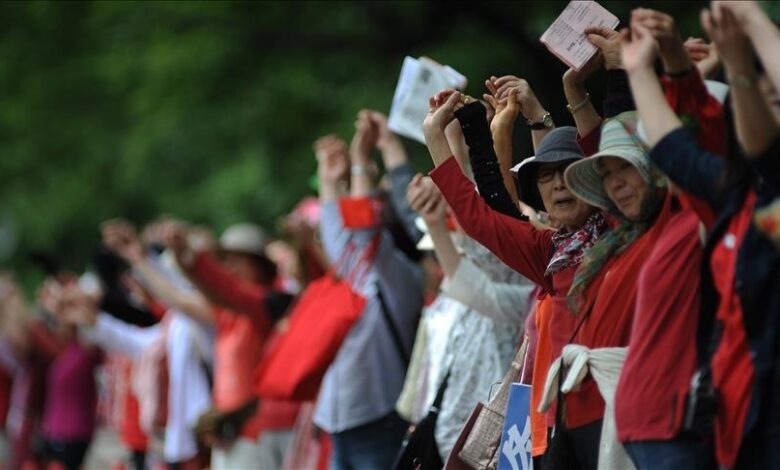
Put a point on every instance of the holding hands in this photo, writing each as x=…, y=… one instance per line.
x=426, y=199
x=332, y=159
x=639, y=48
x=120, y=237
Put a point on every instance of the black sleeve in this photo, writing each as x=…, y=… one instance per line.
x=767, y=166
x=484, y=163
x=619, y=98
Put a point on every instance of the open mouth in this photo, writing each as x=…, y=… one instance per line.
x=624, y=201
x=565, y=203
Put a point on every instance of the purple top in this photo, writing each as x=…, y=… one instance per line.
x=71, y=397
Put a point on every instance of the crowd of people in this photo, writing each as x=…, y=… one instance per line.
x=628, y=272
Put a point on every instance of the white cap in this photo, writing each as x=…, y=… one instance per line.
x=244, y=238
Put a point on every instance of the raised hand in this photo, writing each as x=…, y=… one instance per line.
x=639, y=48
x=120, y=237
x=441, y=110
x=365, y=139
x=704, y=56
x=426, y=199
x=386, y=140
x=608, y=42
x=500, y=88
x=727, y=35
x=664, y=29
x=332, y=159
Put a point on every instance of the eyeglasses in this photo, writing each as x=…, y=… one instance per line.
x=547, y=173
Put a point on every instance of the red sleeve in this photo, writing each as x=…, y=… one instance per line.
x=589, y=143
x=157, y=308
x=516, y=242
x=44, y=341
x=236, y=294
x=689, y=98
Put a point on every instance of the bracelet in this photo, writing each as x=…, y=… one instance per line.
x=580, y=105
x=360, y=169
x=742, y=81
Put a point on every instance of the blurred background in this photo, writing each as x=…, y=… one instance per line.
x=207, y=110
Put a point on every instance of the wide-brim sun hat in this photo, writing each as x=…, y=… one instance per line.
x=618, y=139
x=244, y=238
x=559, y=145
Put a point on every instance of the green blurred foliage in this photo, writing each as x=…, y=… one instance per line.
x=207, y=110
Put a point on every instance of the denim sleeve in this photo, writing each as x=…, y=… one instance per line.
x=694, y=170
x=400, y=177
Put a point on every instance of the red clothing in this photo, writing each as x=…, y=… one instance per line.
x=70, y=409
x=542, y=360
x=526, y=250
x=237, y=351
x=6, y=380
x=133, y=437
x=732, y=367
x=689, y=97
x=244, y=335
x=276, y=415
x=661, y=357
x=245, y=297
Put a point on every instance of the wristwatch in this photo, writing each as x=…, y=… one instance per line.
x=545, y=123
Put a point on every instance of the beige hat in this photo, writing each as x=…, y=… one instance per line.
x=618, y=139
x=244, y=238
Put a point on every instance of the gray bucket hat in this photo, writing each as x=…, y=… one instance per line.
x=557, y=146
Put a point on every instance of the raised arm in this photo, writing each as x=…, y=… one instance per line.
x=756, y=127
x=488, y=171
x=502, y=125
x=399, y=170
x=425, y=198
x=763, y=33
x=120, y=237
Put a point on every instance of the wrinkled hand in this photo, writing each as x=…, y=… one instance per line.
x=426, y=199
x=332, y=159
x=506, y=112
x=365, y=138
x=608, y=42
x=441, y=110
x=704, y=56
x=120, y=237
x=727, y=35
x=639, y=48
x=500, y=89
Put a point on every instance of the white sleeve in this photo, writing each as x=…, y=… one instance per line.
x=502, y=302
x=115, y=335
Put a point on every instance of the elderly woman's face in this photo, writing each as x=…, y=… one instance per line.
x=624, y=186
x=561, y=205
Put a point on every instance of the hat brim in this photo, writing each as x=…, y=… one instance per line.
x=584, y=181
x=526, y=176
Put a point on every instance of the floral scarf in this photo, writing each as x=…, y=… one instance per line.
x=613, y=242
x=570, y=247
